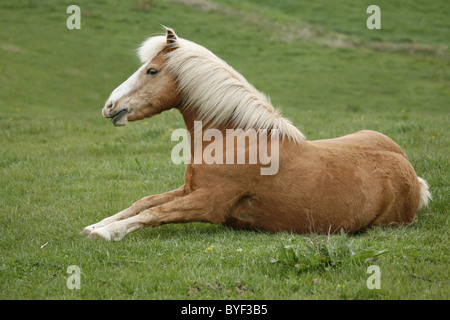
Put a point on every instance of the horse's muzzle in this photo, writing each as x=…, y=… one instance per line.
x=119, y=117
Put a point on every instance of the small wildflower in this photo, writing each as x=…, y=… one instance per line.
x=209, y=248
x=239, y=250
x=170, y=129
x=146, y=122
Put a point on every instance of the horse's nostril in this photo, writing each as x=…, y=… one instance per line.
x=110, y=105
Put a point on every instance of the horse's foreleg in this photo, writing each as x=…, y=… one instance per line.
x=195, y=207
x=137, y=207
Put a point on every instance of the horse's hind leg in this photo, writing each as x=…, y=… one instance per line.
x=137, y=207
x=198, y=206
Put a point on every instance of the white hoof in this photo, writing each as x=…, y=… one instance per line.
x=88, y=229
x=99, y=233
x=95, y=226
x=112, y=232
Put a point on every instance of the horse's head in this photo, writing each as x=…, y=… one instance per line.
x=149, y=91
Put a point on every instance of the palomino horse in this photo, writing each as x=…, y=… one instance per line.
x=353, y=182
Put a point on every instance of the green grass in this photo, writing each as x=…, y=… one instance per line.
x=62, y=166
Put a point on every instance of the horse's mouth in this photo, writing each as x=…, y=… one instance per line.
x=120, y=119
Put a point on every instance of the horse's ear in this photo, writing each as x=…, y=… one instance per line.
x=171, y=37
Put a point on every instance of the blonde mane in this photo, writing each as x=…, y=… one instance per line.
x=219, y=94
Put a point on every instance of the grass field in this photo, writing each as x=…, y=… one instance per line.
x=63, y=166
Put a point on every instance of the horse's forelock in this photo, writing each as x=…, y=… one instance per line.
x=150, y=48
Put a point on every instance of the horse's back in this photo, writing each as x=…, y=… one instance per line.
x=367, y=139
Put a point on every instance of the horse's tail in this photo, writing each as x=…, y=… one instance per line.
x=425, y=195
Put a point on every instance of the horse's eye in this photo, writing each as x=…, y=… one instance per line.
x=152, y=71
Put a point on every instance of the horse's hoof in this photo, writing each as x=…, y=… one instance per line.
x=100, y=234
x=87, y=230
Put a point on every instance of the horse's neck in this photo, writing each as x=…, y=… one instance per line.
x=197, y=127
x=189, y=121
x=192, y=121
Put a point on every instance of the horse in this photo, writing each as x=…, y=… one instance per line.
x=355, y=182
